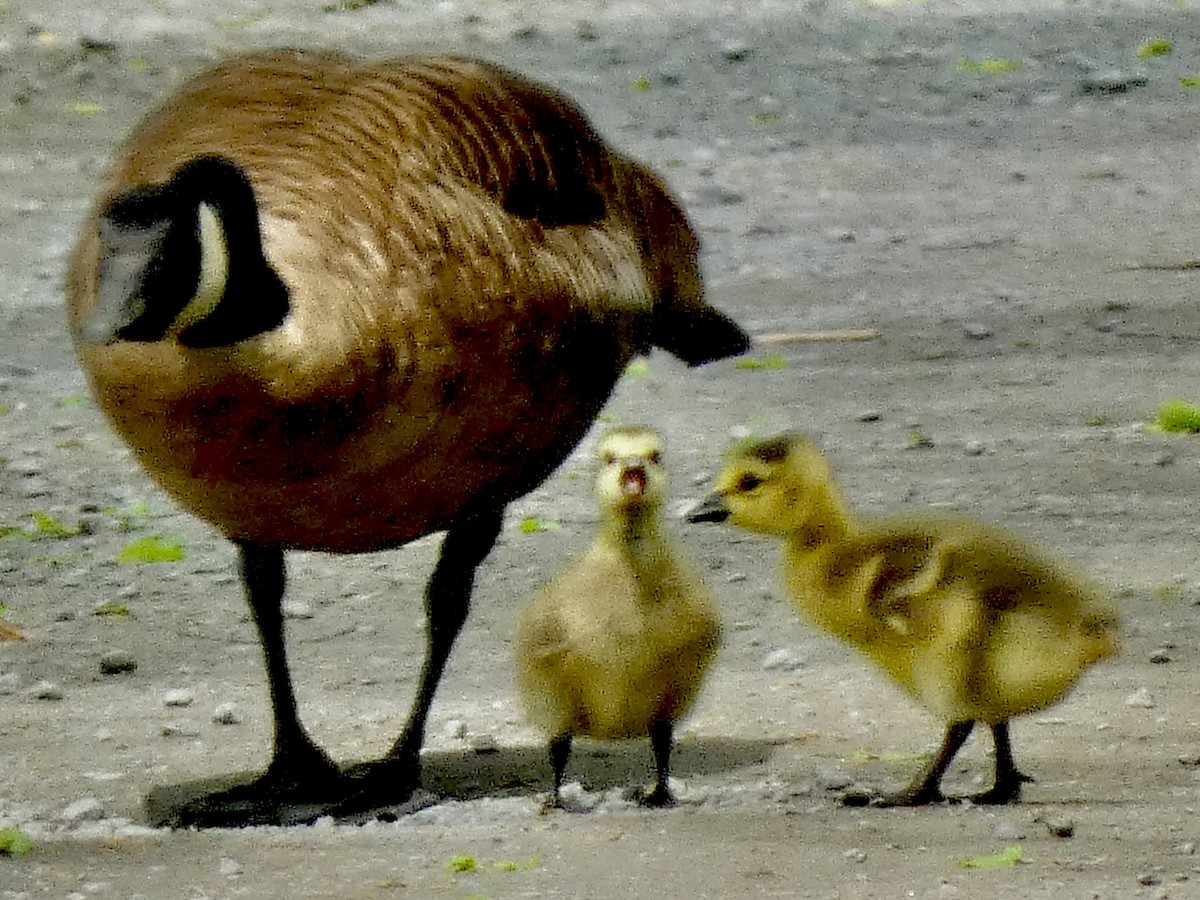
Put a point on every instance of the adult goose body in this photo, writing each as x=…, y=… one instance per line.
x=338, y=305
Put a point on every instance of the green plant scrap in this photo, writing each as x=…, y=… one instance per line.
x=638, y=368
x=988, y=66
x=45, y=527
x=14, y=842
x=1151, y=49
x=1175, y=416
x=151, y=549
x=1009, y=856
x=772, y=361
x=537, y=525
x=462, y=863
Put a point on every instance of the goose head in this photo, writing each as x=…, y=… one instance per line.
x=631, y=482
x=781, y=486
x=183, y=260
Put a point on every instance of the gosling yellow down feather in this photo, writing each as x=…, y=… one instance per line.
x=971, y=621
x=616, y=645
x=338, y=305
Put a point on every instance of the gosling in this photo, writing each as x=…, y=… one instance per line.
x=617, y=644
x=972, y=622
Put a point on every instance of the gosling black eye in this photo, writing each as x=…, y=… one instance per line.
x=654, y=458
x=608, y=459
x=748, y=483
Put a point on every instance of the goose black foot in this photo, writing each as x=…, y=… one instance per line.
x=358, y=793
x=916, y=795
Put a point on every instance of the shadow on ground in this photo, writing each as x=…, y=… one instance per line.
x=473, y=775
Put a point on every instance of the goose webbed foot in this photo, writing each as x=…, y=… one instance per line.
x=291, y=793
x=295, y=789
x=920, y=794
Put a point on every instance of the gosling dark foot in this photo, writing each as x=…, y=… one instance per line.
x=1005, y=790
x=357, y=794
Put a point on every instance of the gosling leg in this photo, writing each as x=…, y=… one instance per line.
x=661, y=739
x=560, y=752
x=1007, y=786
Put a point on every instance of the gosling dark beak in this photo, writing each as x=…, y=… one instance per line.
x=711, y=509
x=633, y=481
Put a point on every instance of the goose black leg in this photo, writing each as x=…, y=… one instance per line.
x=447, y=602
x=297, y=759
x=661, y=738
x=301, y=781
x=391, y=781
x=1007, y=786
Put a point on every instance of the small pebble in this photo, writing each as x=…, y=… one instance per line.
x=1058, y=825
x=781, y=660
x=1140, y=699
x=483, y=743
x=297, y=609
x=9, y=682
x=226, y=714
x=1112, y=82
x=856, y=854
x=117, y=662
x=828, y=779
x=977, y=332
x=1160, y=656
x=180, y=697
x=85, y=809
x=229, y=867
x=46, y=690
x=180, y=729
x=456, y=730
x=1007, y=831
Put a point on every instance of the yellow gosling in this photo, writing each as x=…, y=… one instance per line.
x=615, y=647
x=971, y=621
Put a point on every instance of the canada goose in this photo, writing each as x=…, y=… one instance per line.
x=338, y=305
x=973, y=622
x=616, y=645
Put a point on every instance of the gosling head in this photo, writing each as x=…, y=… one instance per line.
x=631, y=481
x=183, y=260
x=780, y=485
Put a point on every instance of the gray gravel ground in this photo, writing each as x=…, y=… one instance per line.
x=849, y=165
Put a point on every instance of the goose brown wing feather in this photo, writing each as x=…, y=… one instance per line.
x=468, y=266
